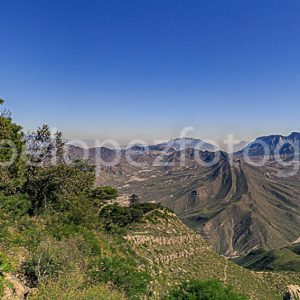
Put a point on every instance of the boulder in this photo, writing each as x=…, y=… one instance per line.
x=16, y=290
x=292, y=293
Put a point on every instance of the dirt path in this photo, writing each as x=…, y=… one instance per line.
x=225, y=272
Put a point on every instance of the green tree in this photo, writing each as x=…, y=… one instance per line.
x=12, y=147
x=45, y=149
x=134, y=199
x=59, y=147
x=115, y=216
x=204, y=290
x=54, y=186
x=50, y=182
x=104, y=193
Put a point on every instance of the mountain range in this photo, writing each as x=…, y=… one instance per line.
x=177, y=144
x=236, y=206
x=276, y=145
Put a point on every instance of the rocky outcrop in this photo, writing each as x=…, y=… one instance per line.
x=187, y=240
x=15, y=290
x=293, y=293
x=160, y=240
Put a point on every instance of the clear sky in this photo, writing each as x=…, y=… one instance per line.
x=129, y=69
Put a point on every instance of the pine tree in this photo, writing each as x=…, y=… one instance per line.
x=134, y=200
x=12, y=149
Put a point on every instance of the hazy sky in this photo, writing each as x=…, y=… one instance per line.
x=147, y=68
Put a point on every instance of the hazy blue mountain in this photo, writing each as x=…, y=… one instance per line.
x=275, y=145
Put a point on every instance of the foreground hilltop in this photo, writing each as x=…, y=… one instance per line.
x=142, y=256
x=174, y=253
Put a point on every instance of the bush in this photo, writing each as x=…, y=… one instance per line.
x=104, y=193
x=147, y=206
x=74, y=288
x=79, y=211
x=115, y=216
x=42, y=264
x=54, y=186
x=15, y=205
x=4, y=267
x=123, y=274
x=204, y=290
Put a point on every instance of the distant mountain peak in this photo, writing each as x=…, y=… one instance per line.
x=188, y=142
x=185, y=139
x=278, y=144
x=294, y=135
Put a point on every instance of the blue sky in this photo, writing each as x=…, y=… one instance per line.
x=147, y=68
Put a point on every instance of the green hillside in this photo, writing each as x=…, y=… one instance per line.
x=285, y=259
x=175, y=253
x=158, y=250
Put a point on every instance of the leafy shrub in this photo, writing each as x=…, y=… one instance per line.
x=123, y=274
x=15, y=205
x=74, y=288
x=53, y=186
x=147, y=206
x=4, y=267
x=115, y=216
x=79, y=211
x=204, y=290
x=104, y=193
x=5, y=233
x=30, y=233
x=42, y=264
x=91, y=241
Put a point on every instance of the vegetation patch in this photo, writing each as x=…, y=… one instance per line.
x=204, y=290
x=123, y=274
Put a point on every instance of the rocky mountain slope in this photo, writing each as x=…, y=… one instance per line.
x=237, y=207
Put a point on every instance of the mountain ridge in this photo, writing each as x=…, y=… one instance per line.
x=176, y=144
x=248, y=201
x=275, y=144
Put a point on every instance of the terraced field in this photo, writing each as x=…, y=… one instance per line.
x=174, y=253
